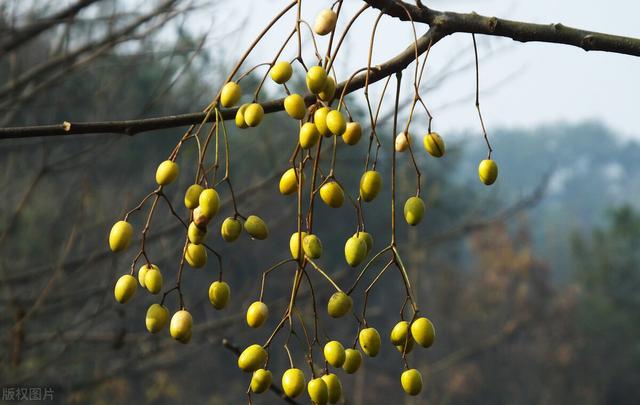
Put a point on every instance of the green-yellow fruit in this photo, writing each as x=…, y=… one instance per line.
x=252, y=358
x=196, y=255
x=253, y=114
x=167, y=172
x=281, y=72
x=256, y=227
x=355, y=250
x=339, y=304
x=294, y=244
x=434, y=144
x=230, y=94
x=219, y=293
x=125, y=288
x=318, y=391
x=309, y=135
x=411, y=381
x=157, y=317
x=240, y=121
x=209, y=202
x=409, y=343
x=289, y=181
x=423, y=332
x=370, y=185
x=153, y=280
x=261, y=380
x=367, y=238
x=196, y=234
x=294, y=106
x=320, y=119
x=332, y=194
x=352, y=361
x=230, y=229
x=414, y=210
x=293, y=382
x=334, y=353
x=336, y=122
x=488, y=171
x=334, y=386
x=325, y=22
x=369, y=339
x=316, y=79
x=400, y=333
x=312, y=246
x=192, y=195
x=180, y=327
x=352, y=133
x=120, y=236
x=257, y=314
x=142, y=272
x=329, y=90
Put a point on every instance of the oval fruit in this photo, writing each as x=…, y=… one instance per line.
x=339, y=304
x=336, y=122
x=199, y=218
x=153, y=280
x=120, y=236
x=320, y=119
x=332, y=194
x=329, y=90
x=369, y=340
x=316, y=79
x=256, y=227
x=219, y=293
x=294, y=106
x=370, y=185
x=367, y=238
x=318, y=391
x=402, y=142
x=180, y=327
x=352, y=361
x=192, y=195
x=240, y=121
x=411, y=381
x=167, y=172
x=294, y=246
x=352, y=133
x=488, y=171
x=414, y=210
x=196, y=255
x=142, y=272
x=423, y=332
x=293, y=382
x=257, y=314
x=325, y=22
x=230, y=229
x=230, y=94
x=309, y=135
x=252, y=358
x=289, y=181
x=196, y=234
x=399, y=333
x=333, y=386
x=261, y=380
x=209, y=202
x=312, y=246
x=334, y=353
x=253, y=114
x=157, y=317
x=281, y=72
x=355, y=250
x=125, y=288
x=434, y=144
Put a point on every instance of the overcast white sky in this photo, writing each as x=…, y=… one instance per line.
x=524, y=84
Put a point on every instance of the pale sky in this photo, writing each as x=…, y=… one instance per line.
x=524, y=84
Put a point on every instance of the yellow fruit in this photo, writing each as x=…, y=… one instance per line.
x=400, y=333
x=423, y=332
x=261, y=380
x=369, y=339
x=281, y=72
x=125, y=288
x=316, y=79
x=294, y=106
x=196, y=234
x=334, y=353
x=209, y=202
x=352, y=361
x=333, y=386
x=294, y=246
x=293, y=382
x=240, y=121
x=352, y=133
x=219, y=293
x=253, y=114
x=318, y=391
x=411, y=381
x=309, y=135
x=120, y=236
x=331, y=194
x=167, y=172
x=320, y=119
x=325, y=22
x=196, y=255
x=180, y=327
x=367, y=238
x=401, y=349
x=157, y=317
x=230, y=229
x=256, y=227
x=230, y=94
x=312, y=246
x=488, y=171
x=339, y=304
x=434, y=144
x=257, y=314
x=402, y=141
x=336, y=122
x=142, y=272
x=355, y=250
x=370, y=185
x=192, y=195
x=414, y=210
x=329, y=90
x=252, y=358
x=289, y=181
x=199, y=218
x=153, y=280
